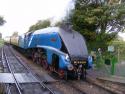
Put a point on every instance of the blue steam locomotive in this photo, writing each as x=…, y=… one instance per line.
x=59, y=50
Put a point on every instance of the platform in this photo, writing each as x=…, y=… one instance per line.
x=116, y=79
x=20, y=77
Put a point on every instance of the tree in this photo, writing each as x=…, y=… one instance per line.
x=98, y=20
x=39, y=25
x=15, y=34
x=58, y=24
x=2, y=21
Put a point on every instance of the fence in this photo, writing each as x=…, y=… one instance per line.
x=110, y=63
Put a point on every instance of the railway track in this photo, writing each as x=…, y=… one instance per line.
x=114, y=88
x=80, y=87
x=91, y=86
x=87, y=88
x=112, y=85
x=15, y=66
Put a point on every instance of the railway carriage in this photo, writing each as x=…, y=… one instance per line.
x=60, y=50
x=7, y=39
x=14, y=40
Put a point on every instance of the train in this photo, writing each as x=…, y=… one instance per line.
x=59, y=50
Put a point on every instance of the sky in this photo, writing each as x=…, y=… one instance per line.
x=122, y=35
x=21, y=14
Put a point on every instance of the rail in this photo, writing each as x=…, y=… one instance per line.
x=11, y=71
x=33, y=73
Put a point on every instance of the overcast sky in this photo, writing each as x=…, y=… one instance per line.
x=21, y=14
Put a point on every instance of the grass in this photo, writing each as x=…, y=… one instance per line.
x=1, y=42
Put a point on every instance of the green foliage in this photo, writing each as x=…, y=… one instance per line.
x=58, y=24
x=39, y=25
x=94, y=19
x=120, y=48
x=2, y=21
x=15, y=34
x=1, y=42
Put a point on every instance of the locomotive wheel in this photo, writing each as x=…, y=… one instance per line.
x=65, y=75
x=83, y=76
x=61, y=73
x=33, y=57
x=84, y=73
x=50, y=68
x=44, y=64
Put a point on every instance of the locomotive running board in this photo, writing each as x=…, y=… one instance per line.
x=20, y=77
